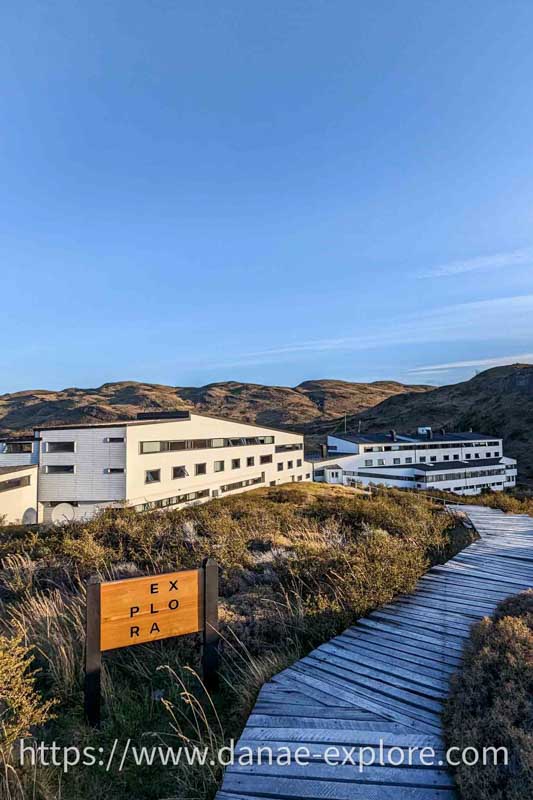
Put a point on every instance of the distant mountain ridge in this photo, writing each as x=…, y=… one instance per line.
x=498, y=401
x=266, y=405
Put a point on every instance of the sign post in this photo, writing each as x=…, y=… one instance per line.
x=210, y=655
x=136, y=610
x=93, y=653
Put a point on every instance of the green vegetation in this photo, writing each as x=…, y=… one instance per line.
x=516, y=501
x=491, y=704
x=298, y=564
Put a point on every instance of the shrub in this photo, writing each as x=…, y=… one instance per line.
x=298, y=565
x=491, y=703
x=20, y=705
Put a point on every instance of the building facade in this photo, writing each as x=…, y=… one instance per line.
x=157, y=462
x=463, y=463
x=18, y=494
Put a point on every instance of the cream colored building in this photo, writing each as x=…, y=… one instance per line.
x=18, y=494
x=463, y=463
x=162, y=461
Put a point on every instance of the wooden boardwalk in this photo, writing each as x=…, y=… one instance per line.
x=383, y=681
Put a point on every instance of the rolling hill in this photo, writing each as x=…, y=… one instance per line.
x=498, y=401
x=267, y=405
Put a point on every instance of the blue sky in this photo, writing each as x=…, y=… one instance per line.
x=267, y=192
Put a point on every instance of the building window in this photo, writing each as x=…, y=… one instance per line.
x=250, y=461
x=60, y=447
x=280, y=466
x=468, y=455
x=422, y=458
x=299, y=462
x=299, y=477
x=231, y=487
x=219, y=466
x=308, y=475
x=265, y=460
x=202, y=444
x=381, y=462
x=433, y=458
x=396, y=461
x=15, y=483
x=272, y=483
x=408, y=460
x=368, y=462
x=200, y=469
x=152, y=476
x=115, y=471
x=16, y=448
x=60, y=469
x=289, y=464
x=114, y=439
x=476, y=455
x=456, y=457
x=179, y=472
x=235, y=463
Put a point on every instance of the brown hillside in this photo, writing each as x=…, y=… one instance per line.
x=498, y=401
x=267, y=405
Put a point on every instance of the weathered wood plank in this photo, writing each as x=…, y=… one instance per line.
x=381, y=682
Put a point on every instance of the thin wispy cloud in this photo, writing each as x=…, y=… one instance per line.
x=515, y=358
x=475, y=321
x=513, y=258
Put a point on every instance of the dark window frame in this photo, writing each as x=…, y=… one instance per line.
x=60, y=447
x=152, y=480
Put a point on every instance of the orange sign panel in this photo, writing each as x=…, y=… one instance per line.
x=145, y=609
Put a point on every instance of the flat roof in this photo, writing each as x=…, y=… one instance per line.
x=7, y=470
x=432, y=466
x=159, y=421
x=418, y=438
x=443, y=465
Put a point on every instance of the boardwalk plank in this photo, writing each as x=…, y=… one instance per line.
x=381, y=682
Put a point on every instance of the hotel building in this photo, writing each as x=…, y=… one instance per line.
x=463, y=463
x=157, y=461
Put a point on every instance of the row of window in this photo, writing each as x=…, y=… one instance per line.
x=154, y=475
x=70, y=447
x=433, y=446
x=387, y=477
x=380, y=462
x=290, y=464
x=70, y=469
x=172, y=501
x=463, y=488
x=16, y=448
x=15, y=483
x=202, y=444
x=453, y=475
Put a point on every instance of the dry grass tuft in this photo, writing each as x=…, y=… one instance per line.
x=298, y=564
x=491, y=703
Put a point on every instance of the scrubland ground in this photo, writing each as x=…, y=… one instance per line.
x=491, y=703
x=298, y=564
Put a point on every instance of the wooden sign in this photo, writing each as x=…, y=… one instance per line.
x=139, y=610
x=136, y=610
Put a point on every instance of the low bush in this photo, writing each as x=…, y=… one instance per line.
x=298, y=564
x=491, y=703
